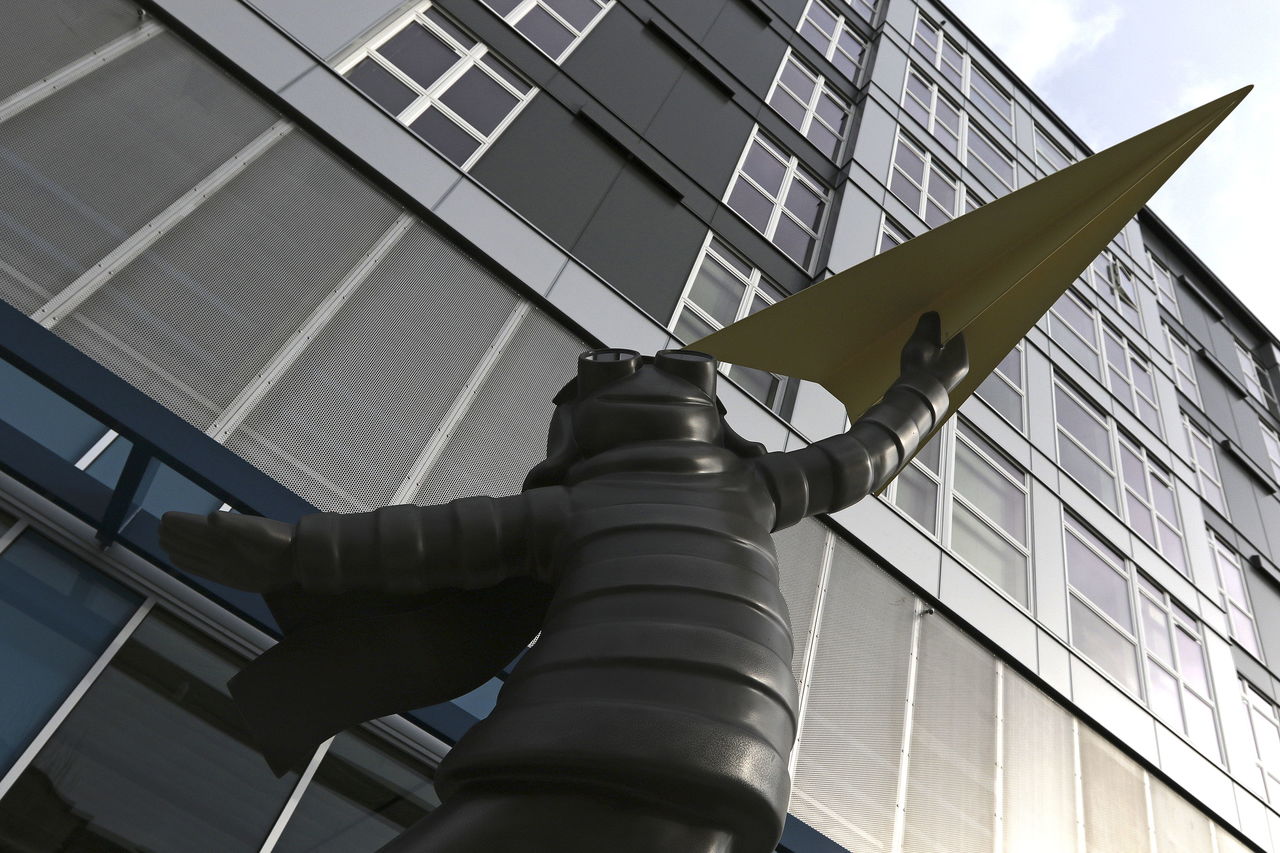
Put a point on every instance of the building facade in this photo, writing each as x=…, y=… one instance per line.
x=273, y=255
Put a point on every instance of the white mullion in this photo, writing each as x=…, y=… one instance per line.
x=88, y=283
x=459, y=407
x=31, y=95
x=688, y=284
x=1077, y=767
x=77, y=693
x=98, y=448
x=291, y=805
x=1150, y=812
x=811, y=651
x=240, y=407
x=908, y=723
x=998, y=817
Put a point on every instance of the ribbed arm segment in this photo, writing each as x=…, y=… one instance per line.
x=837, y=472
x=470, y=543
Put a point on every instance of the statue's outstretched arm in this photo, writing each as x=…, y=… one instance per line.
x=836, y=472
x=470, y=543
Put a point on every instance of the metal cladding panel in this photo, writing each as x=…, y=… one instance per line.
x=343, y=426
x=800, y=549
x=504, y=431
x=1039, y=771
x=1180, y=826
x=196, y=317
x=850, y=748
x=39, y=38
x=87, y=167
x=950, y=803
x=1115, y=805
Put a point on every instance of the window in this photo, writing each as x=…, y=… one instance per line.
x=1151, y=507
x=1184, y=370
x=866, y=9
x=987, y=498
x=1158, y=655
x=1004, y=391
x=439, y=80
x=1265, y=723
x=1272, y=442
x=1115, y=284
x=947, y=123
x=554, y=26
x=831, y=35
x=1084, y=444
x=802, y=96
x=1206, y=465
x=982, y=91
x=917, y=179
x=1164, y=285
x=891, y=234
x=783, y=200
x=1255, y=378
x=1077, y=328
x=725, y=288
x=1235, y=596
x=1177, y=671
x=1050, y=156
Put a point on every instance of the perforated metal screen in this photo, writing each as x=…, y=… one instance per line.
x=1115, y=805
x=344, y=425
x=800, y=550
x=1039, y=810
x=37, y=39
x=847, y=772
x=84, y=169
x=1180, y=827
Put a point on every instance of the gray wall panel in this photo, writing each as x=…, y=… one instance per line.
x=327, y=26
x=607, y=61
x=553, y=169
x=643, y=242
x=694, y=18
x=702, y=131
x=746, y=45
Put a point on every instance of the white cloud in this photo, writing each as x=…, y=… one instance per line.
x=1040, y=39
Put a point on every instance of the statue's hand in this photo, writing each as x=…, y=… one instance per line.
x=924, y=352
x=241, y=551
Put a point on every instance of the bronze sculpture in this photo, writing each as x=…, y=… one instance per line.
x=657, y=710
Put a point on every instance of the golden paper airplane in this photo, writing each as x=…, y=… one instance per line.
x=991, y=273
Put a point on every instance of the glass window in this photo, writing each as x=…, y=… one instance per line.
x=57, y=616
x=361, y=797
x=1176, y=667
x=722, y=289
x=1165, y=291
x=1235, y=596
x=554, y=26
x=1264, y=721
x=1271, y=440
x=779, y=197
x=990, y=99
x=941, y=52
x=1004, y=389
x=1255, y=378
x=938, y=115
x=982, y=154
x=154, y=757
x=1129, y=377
x=1084, y=444
x=916, y=178
x=45, y=417
x=445, y=85
x=1115, y=285
x=831, y=34
x=1050, y=156
x=1073, y=324
x=891, y=234
x=803, y=97
x=1205, y=461
x=1183, y=365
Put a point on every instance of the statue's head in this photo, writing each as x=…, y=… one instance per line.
x=620, y=397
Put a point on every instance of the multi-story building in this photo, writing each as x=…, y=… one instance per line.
x=274, y=255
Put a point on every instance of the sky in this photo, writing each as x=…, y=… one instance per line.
x=1113, y=68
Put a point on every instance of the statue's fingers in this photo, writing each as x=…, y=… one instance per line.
x=929, y=329
x=177, y=528
x=953, y=360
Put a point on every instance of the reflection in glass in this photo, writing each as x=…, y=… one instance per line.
x=361, y=797
x=153, y=758
x=989, y=553
x=57, y=616
x=43, y=416
x=1104, y=645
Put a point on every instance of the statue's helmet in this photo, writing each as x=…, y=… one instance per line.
x=620, y=397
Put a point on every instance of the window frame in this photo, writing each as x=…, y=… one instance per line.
x=522, y=9
x=1166, y=292
x=1180, y=376
x=1259, y=705
x=821, y=87
x=793, y=171
x=999, y=375
x=1271, y=441
x=964, y=73
x=1255, y=379
x=1046, y=164
x=959, y=141
x=1195, y=436
x=931, y=168
x=833, y=40
x=428, y=97
x=1226, y=556
x=754, y=283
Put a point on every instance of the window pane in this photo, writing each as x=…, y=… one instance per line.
x=805, y=204
x=690, y=327
x=750, y=204
x=44, y=416
x=1242, y=630
x=1002, y=398
x=983, y=549
x=788, y=107
x=798, y=81
x=1201, y=727
x=545, y=31
x=1105, y=646
x=1100, y=583
x=454, y=31
x=154, y=757
x=578, y=13
x=1083, y=425
x=362, y=796
x=479, y=100
x=57, y=615
x=1086, y=469
x=420, y=54
x=824, y=140
x=794, y=241
x=1164, y=696
x=917, y=496
x=760, y=384
x=999, y=499
x=1155, y=629
x=1191, y=662
x=765, y=169
x=449, y=139
x=717, y=292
